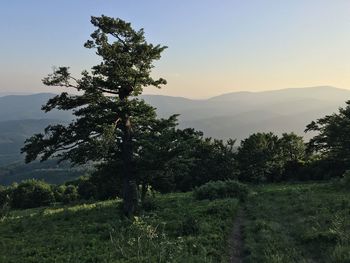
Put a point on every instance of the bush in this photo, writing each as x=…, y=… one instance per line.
x=87, y=189
x=70, y=194
x=32, y=193
x=221, y=189
x=107, y=182
x=58, y=192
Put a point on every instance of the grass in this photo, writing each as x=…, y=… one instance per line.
x=174, y=228
x=298, y=223
x=307, y=222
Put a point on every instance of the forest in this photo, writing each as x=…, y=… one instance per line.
x=156, y=192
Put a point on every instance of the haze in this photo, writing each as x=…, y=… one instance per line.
x=215, y=47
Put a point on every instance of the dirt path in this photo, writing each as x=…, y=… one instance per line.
x=236, y=239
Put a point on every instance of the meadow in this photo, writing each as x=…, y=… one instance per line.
x=289, y=222
x=173, y=228
x=298, y=223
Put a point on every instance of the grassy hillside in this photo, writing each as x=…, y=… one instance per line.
x=298, y=223
x=175, y=228
x=282, y=223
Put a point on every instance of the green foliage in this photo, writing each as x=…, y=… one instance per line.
x=4, y=202
x=86, y=189
x=333, y=137
x=258, y=158
x=70, y=194
x=3, y=195
x=263, y=157
x=107, y=181
x=221, y=189
x=58, y=192
x=206, y=160
x=149, y=204
x=346, y=179
x=143, y=242
x=104, y=115
x=126, y=63
x=178, y=229
x=32, y=193
x=292, y=147
x=298, y=223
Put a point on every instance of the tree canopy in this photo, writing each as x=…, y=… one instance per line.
x=332, y=140
x=104, y=113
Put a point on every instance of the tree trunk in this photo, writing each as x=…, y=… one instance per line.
x=130, y=193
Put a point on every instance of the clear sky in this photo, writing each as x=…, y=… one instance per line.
x=215, y=46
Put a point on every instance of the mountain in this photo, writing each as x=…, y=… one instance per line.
x=233, y=115
x=239, y=114
x=20, y=107
x=13, y=133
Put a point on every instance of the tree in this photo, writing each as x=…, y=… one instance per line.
x=258, y=158
x=292, y=147
x=266, y=157
x=211, y=160
x=32, y=193
x=104, y=113
x=293, y=155
x=332, y=140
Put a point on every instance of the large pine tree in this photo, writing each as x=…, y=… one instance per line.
x=105, y=108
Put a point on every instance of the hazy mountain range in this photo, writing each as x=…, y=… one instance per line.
x=238, y=114
x=232, y=115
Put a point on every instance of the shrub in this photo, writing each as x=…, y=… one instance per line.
x=107, y=182
x=70, y=194
x=32, y=193
x=58, y=192
x=87, y=189
x=221, y=189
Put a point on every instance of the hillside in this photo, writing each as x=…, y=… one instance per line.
x=282, y=223
x=21, y=107
x=13, y=133
x=238, y=114
x=174, y=228
x=232, y=115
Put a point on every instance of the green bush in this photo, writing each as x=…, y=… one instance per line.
x=58, y=191
x=32, y=193
x=70, y=194
x=86, y=188
x=221, y=189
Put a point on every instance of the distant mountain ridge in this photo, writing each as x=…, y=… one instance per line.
x=232, y=115
x=20, y=107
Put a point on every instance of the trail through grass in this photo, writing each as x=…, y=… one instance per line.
x=298, y=223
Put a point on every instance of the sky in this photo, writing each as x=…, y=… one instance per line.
x=214, y=47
